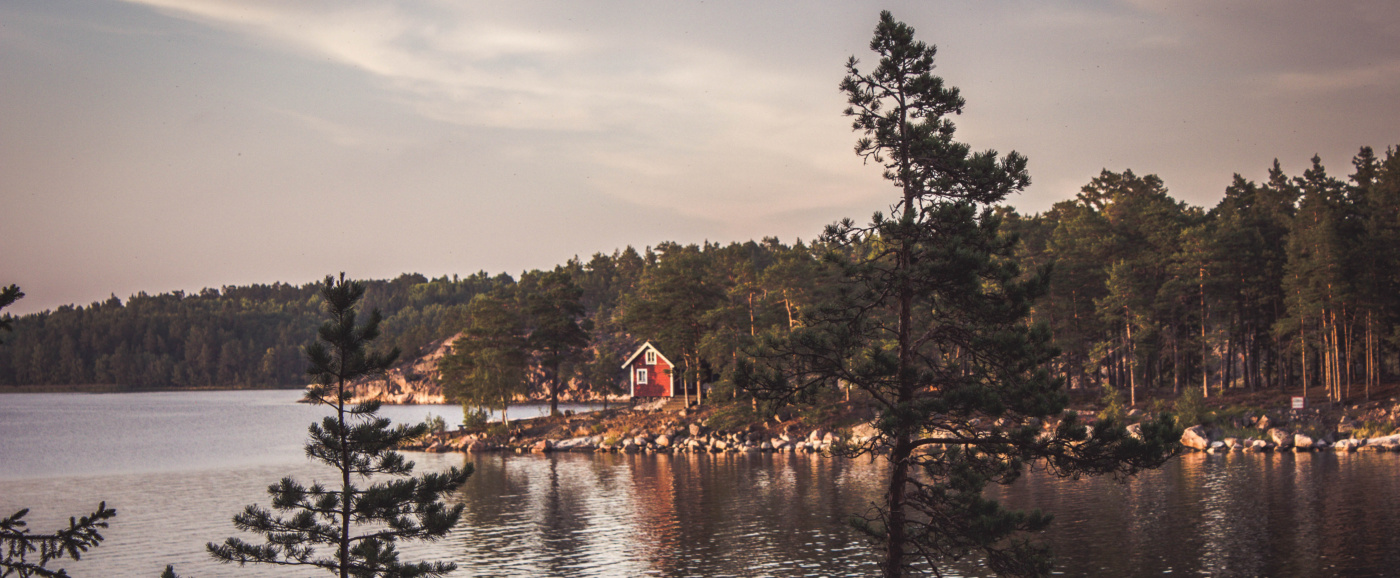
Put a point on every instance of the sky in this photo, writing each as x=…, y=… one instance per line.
x=159, y=145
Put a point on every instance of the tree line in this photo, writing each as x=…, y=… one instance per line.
x=236, y=336
x=1289, y=283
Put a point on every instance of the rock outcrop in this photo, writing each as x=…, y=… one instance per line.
x=411, y=382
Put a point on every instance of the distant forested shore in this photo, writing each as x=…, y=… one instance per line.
x=1287, y=282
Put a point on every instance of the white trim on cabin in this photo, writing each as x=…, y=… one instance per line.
x=643, y=349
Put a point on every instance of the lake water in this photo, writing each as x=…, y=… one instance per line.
x=177, y=466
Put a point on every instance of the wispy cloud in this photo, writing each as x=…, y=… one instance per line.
x=663, y=108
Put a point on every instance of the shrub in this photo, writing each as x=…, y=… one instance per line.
x=1190, y=409
x=474, y=417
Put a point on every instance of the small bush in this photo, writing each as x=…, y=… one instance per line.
x=1190, y=409
x=1113, y=407
x=435, y=423
x=1372, y=429
x=736, y=415
x=474, y=417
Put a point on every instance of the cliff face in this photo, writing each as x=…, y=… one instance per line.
x=411, y=382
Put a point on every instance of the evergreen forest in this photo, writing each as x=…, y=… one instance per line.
x=1293, y=282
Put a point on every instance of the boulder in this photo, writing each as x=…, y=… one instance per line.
x=1263, y=423
x=1195, y=437
x=1261, y=445
x=1303, y=442
x=1135, y=431
x=1216, y=447
x=541, y=446
x=696, y=429
x=1282, y=439
x=816, y=436
x=1231, y=443
x=631, y=447
x=663, y=441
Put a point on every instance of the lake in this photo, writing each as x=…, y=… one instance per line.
x=177, y=466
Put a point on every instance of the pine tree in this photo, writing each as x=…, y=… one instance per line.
x=558, y=330
x=670, y=307
x=24, y=554
x=929, y=322
x=358, y=525
x=486, y=367
x=8, y=296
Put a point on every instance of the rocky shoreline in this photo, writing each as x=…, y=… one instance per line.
x=699, y=429
x=1200, y=438
x=645, y=429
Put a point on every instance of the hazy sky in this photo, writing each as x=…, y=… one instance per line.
x=178, y=144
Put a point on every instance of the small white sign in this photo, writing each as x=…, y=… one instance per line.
x=1298, y=402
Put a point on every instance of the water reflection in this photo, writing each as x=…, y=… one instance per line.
x=584, y=515
x=1235, y=514
x=681, y=515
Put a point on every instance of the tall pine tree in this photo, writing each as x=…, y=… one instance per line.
x=929, y=322
x=358, y=525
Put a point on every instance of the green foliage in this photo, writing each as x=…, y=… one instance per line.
x=474, y=417
x=8, y=296
x=359, y=526
x=819, y=407
x=928, y=319
x=236, y=336
x=558, y=329
x=1373, y=429
x=1190, y=409
x=487, y=365
x=1113, y=407
x=733, y=416
x=435, y=423
x=23, y=553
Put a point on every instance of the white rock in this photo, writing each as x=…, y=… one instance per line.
x=1195, y=437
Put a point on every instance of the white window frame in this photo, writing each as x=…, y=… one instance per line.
x=641, y=376
x=651, y=357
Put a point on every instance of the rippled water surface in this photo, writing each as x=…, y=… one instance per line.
x=177, y=466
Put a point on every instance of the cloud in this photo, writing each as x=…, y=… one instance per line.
x=651, y=107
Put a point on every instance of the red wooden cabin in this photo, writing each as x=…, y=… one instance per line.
x=649, y=373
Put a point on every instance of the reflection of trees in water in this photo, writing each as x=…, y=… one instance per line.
x=668, y=515
x=1272, y=514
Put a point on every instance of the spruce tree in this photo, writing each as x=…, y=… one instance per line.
x=929, y=322
x=376, y=501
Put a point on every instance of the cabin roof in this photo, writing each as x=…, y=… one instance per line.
x=643, y=348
